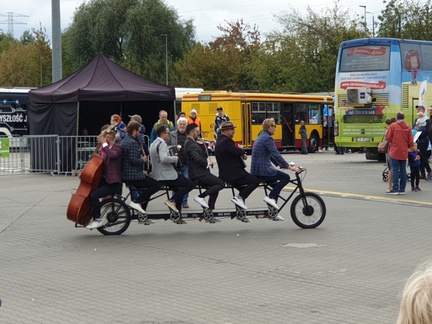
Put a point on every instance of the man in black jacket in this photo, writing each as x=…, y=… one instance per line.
x=230, y=158
x=199, y=171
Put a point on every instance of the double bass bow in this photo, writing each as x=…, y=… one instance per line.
x=79, y=208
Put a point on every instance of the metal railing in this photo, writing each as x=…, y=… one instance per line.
x=52, y=154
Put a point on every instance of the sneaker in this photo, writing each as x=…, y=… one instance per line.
x=201, y=201
x=171, y=205
x=185, y=206
x=388, y=190
x=271, y=202
x=213, y=220
x=414, y=189
x=96, y=223
x=136, y=206
x=146, y=222
x=239, y=202
x=278, y=218
x=401, y=192
x=418, y=188
x=180, y=221
x=392, y=192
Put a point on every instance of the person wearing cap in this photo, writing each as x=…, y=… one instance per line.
x=141, y=136
x=194, y=119
x=112, y=174
x=264, y=155
x=400, y=137
x=230, y=158
x=163, y=120
x=132, y=169
x=219, y=119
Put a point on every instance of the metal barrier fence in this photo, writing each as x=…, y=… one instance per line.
x=52, y=154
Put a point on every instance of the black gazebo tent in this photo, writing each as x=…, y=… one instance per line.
x=88, y=97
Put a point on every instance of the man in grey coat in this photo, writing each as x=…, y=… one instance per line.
x=164, y=172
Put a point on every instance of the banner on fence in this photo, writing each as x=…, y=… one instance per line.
x=4, y=147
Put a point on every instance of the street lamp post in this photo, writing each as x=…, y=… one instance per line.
x=373, y=23
x=166, y=57
x=365, y=23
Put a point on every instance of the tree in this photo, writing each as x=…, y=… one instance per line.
x=26, y=63
x=130, y=33
x=220, y=64
x=302, y=57
x=406, y=19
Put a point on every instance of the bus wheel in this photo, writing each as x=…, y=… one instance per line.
x=313, y=143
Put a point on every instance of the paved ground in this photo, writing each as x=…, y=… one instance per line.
x=351, y=269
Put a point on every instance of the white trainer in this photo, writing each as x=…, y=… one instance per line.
x=271, y=202
x=201, y=201
x=239, y=202
x=278, y=218
x=96, y=223
x=136, y=206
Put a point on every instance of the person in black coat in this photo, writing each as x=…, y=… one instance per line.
x=231, y=161
x=199, y=168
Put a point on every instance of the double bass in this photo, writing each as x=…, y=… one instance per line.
x=79, y=208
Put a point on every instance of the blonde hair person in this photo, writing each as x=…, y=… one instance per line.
x=416, y=303
x=267, y=123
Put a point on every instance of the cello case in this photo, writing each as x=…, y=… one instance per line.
x=79, y=209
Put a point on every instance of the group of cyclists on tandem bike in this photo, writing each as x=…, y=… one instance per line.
x=99, y=204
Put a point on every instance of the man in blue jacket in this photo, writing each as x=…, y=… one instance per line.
x=264, y=153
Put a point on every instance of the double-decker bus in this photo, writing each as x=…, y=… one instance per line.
x=13, y=111
x=376, y=78
x=247, y=110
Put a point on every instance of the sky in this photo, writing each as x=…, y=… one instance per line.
x=207, y=15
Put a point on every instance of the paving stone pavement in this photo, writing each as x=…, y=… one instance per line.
x=351, y=269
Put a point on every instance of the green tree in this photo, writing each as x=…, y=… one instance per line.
x=302, y=57
x=222, y=63
x=130, y=33
x=406, y=19
x=26, y=63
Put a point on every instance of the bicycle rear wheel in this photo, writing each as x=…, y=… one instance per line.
x=117, y=215
x=308, y=210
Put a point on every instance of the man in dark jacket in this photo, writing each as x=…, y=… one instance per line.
x=199, y=168
x=230, y=159
x=132, y=168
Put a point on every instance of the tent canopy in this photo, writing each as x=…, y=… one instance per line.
x=88, y=97
x=102, y=80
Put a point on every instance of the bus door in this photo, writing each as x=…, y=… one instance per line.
x=288, y=124
x=327, y=125
x=246, y=122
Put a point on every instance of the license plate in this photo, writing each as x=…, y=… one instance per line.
x=363, y=139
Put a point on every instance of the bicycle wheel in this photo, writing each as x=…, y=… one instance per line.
x=308, y=211
x=117, y=215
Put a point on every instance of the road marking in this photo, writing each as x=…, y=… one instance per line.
x=369, y=197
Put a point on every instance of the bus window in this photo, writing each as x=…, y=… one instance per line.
x=273, y=111
x=314, y=114
x=258, y=112
x=301, y=112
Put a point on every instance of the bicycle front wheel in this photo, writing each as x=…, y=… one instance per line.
x=117, y=215
x=308, y=210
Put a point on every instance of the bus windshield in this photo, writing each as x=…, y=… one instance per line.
x=365, y=58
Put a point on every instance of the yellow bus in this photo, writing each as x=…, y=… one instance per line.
x=247, y=110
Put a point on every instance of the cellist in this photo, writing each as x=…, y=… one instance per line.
x=112, y=181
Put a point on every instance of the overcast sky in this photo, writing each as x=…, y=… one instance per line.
x=207, y=15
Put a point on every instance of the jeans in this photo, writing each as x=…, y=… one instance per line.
x=277, y=182
x=184, y=171
x=399, y=174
